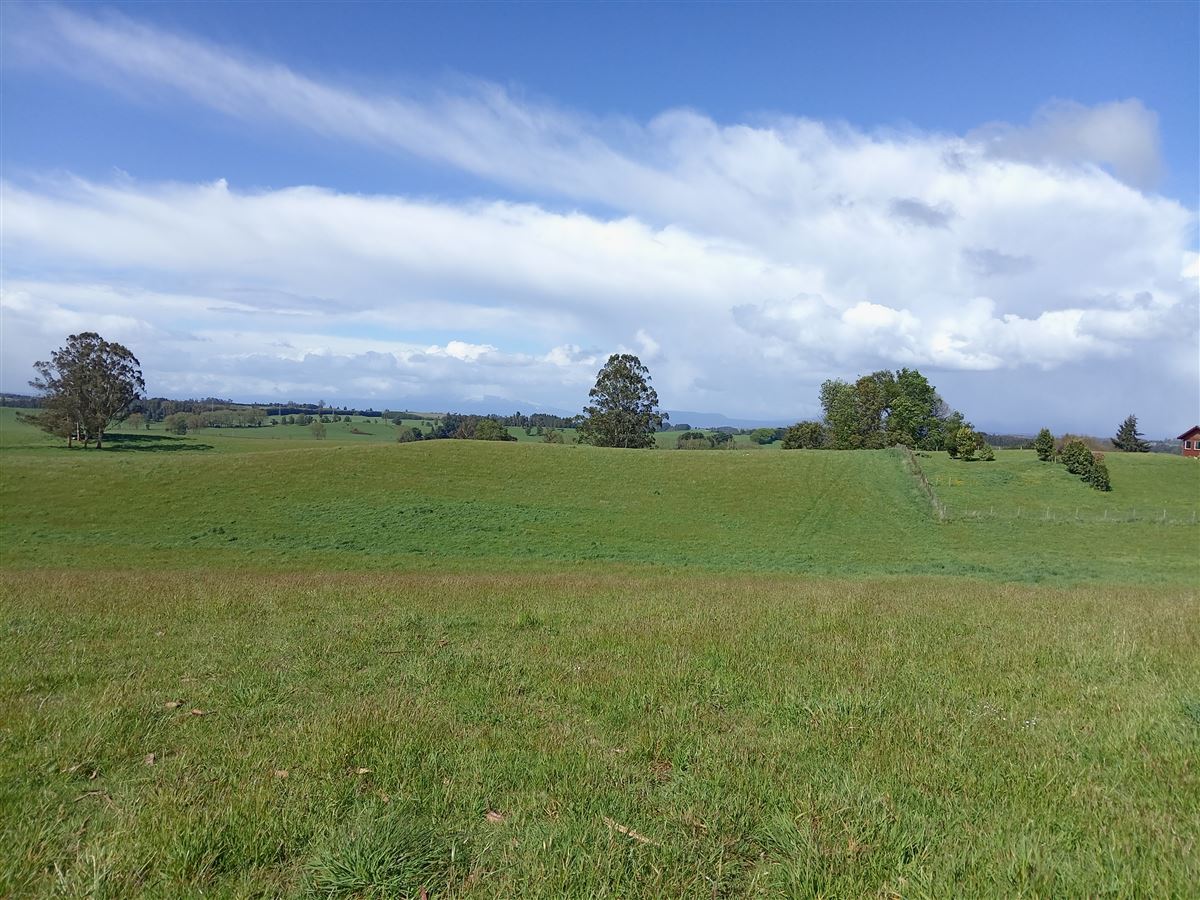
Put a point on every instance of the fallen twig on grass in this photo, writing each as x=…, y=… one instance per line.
x=627, y=831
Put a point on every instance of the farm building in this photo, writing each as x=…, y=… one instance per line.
x=1191, y=441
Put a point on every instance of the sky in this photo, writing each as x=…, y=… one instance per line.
x=469, y=206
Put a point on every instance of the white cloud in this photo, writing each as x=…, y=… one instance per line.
x=1122, y=135
x=747, y=262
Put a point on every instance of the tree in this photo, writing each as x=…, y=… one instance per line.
x=624, y=410
x=764, y=435
x=1044, y=445
x=1128, y=438
x=86, y=387
x=804, y=436
x=550, y=435
x=887, y=408
x=135, y=421
x=491, y=430
x=987, y=452
x=176, y=423
x=317, y=429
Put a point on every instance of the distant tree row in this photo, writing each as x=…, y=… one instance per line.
x=698, y=440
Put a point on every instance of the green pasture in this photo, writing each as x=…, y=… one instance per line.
x=244, y=662
x=1146, y=486
x=221, y=499
x=276, y=734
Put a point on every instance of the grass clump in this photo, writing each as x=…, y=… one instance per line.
x=385, y=851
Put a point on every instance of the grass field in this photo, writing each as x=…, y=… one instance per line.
x=515, y=670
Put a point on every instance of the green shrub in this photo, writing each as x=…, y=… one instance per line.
x=1098, y=476
x=491, y=430
x=987, y=453
x=693, y=440
x=764, y=435
x=966, y=442
x=804, y=436
x=1076, y=457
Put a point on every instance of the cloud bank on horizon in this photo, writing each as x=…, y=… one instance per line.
x=1031, y=270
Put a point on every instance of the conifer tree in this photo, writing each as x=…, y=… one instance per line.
x=1044, y=445
x=1128, y=438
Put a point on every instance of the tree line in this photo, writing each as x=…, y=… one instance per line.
x=90, y=384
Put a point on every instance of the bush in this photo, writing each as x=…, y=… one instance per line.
x=764, y=435
x=409, y=434
x=176, y=423
x=804, y=436
x=987, y=453
x=318, y=430
x=491, y=430
x=1076, y=457
x=1098, y=477
x=550, y=436
x=693, y=440
x=966, y=442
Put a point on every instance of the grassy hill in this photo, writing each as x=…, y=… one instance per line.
x=224, y=500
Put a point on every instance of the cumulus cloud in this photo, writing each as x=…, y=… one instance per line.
x=916, y=212
x=1122, y=135
x=747, y=262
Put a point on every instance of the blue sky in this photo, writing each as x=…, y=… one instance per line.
x=469, y=205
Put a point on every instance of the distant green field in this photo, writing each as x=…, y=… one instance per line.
x=663, y=674
x=362, y=429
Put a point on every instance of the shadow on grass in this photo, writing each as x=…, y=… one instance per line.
x=153, y=443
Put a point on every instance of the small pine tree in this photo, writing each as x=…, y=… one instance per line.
x=987, y=453
x=1128, y=438
x=1044, y=445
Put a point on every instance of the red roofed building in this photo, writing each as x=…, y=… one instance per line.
x=1191, y=441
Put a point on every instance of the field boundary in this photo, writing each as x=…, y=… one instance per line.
x=1108, y=516
x=918, y=474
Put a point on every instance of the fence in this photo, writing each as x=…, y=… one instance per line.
x=914, y=469
x=1107, y=516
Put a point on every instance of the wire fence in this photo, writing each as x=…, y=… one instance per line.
x=1079, y=515
x=1107, y=516
x=914, y=469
